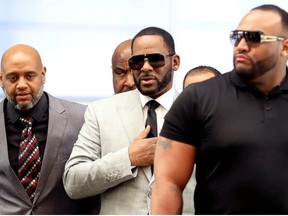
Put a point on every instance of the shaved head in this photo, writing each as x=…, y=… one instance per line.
x=22, y=76
x=18, y=49
x=122, y=75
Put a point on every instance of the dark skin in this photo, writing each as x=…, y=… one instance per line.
x=22, y=76
x=262, y=65
x=122, y=75
x=157, y=81
x=150, y=81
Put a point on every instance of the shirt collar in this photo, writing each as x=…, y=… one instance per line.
x=284, y=85
x=166, y=100
x=236, y=79
x=37, y=113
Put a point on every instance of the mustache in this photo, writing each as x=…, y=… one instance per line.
x=22, y=93
x=146, y=77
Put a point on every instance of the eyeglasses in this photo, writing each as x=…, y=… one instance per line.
x=252, y=37
x=156, y=60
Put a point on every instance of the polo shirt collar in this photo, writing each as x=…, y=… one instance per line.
x=237, y=81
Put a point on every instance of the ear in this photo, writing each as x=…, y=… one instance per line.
x=176, y=62
x=1, y=82
x=285, y=48
x=44, y=74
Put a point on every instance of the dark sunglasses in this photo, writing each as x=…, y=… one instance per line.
x=156, y=60
x=252, y=37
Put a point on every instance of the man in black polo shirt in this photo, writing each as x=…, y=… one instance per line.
x=234, y=127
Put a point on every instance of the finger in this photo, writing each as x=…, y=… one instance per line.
x=152, y=140
x=144, y=133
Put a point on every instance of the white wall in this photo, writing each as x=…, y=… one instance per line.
x=76, y=38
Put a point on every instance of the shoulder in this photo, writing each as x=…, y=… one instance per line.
x=61, y=104
x=121, y=99
x=207, y=91
x=2, y=106
x=215, y=83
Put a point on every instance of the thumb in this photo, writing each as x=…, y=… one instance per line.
x=144, y=133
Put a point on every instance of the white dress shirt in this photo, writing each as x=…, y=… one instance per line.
x=166, y=100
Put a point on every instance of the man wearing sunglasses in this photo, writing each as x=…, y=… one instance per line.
x=113, y=155
x=234, y=127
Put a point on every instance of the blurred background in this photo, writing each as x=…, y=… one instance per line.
x=76, y=38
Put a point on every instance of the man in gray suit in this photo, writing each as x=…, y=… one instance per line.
x=112, y=155
x=56, y=124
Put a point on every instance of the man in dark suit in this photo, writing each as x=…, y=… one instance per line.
x=56, y=124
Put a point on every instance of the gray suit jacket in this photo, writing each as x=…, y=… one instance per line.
x=65, y=121
x=99, y=162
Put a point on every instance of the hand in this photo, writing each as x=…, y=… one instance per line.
x=142, y=149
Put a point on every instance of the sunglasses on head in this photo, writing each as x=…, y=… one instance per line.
x=252, y=37
x=156, y=60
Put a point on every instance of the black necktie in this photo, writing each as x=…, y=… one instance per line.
x=152, y=118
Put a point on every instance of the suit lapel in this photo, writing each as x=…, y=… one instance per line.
x=131, y=116
x=56, y=129
x=4, y=159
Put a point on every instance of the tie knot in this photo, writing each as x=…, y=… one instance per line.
x=26, y=120
x=152, y=104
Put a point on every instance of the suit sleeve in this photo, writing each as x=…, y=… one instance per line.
x=89, y=170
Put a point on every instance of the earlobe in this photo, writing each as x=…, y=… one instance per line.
x=176, y=62
x=44, y=75
x=1, y=83
x=285, y=48
x=284, y=53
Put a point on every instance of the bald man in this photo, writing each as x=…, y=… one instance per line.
x=55, y=127
x=122, y=75
x=199, y=74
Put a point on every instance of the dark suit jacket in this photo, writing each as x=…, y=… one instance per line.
x=65, y=121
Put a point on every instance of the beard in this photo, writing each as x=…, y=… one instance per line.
x=256, y=69
x=24, y=108
x=161, y=84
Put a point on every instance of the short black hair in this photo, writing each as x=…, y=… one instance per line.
x=167, y=37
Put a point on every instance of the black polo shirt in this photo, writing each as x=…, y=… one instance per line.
x=14, y=128
x=241, y=136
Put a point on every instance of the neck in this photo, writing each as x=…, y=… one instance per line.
x=269, y=80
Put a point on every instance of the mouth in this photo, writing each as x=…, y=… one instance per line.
x=147, y=80
x=22, y=95
x=240, y=58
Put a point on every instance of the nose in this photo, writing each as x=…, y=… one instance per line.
x=129, y=80
x=242, y=45
x=147, y=67
x=21, y=84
